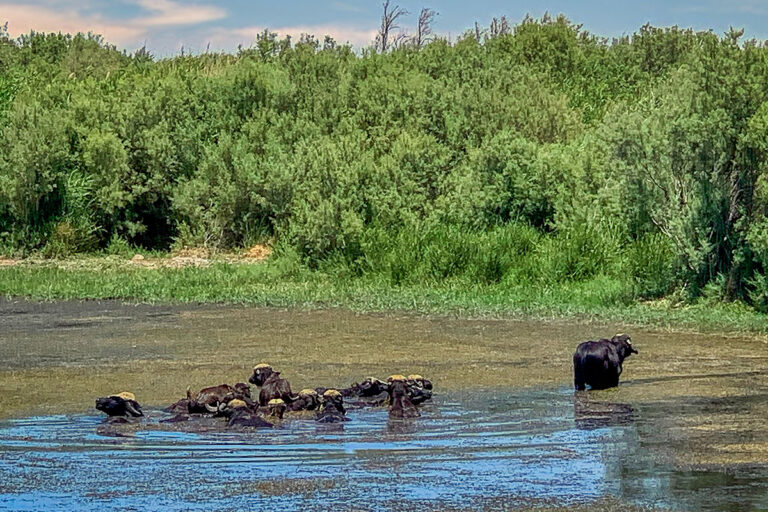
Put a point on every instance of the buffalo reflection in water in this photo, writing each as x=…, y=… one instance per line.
x=590, y=415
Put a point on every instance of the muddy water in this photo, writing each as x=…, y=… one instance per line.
x=684, y=431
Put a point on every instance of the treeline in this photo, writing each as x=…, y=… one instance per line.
x=531, y=154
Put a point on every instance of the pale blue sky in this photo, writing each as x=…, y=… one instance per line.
x=165, y=25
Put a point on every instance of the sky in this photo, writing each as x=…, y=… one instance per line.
x=165, y=26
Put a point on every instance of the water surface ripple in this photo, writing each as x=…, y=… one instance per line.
x=467, y=450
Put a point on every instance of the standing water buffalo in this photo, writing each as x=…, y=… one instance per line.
x=598, y=363
x=122, y=404
x=271, y=384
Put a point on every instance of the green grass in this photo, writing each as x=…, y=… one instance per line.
x=277, y=284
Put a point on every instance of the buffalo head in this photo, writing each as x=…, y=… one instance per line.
x=121, y=404
x=307, y=400
x=333, y=408
x=232, y=406
x=276, y=408
x=398, y=385
x=242, y=390
x=400, y=404
x=371, y=386
x=418, y=380
x=261, y=372
x=623, y=344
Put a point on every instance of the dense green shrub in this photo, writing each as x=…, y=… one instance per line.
x=435, y=252
x=534, y=156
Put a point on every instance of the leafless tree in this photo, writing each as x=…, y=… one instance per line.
x=499, y=27
x=399, y=40
x=388, y=25
x=424, y=32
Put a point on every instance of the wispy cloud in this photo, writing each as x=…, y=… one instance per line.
x=168, y=12
x=76, y=16
x=23, y=18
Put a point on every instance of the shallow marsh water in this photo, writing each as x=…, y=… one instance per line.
x=684, y=431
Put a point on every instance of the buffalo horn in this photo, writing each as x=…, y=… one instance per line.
x=131, y=409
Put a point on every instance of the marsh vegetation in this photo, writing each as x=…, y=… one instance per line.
x=537, y=156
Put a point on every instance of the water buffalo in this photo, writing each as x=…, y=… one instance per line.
x=271, y=384
x=370, y=392
x=599, y=363
x=307, y=400
x=178, y=407
x=122, y=404
x=242, y=392
x=276, y=408
x=419, y=389
x=207, y=400
x=238, y=414
x=419, y=381
x=369, y=387
x=400, y=404
x=333, y=408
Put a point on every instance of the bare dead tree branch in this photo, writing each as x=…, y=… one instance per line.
x=649, y=175
x=388, y=25
x=499, y=27
x=398, y=40
x=424, y=32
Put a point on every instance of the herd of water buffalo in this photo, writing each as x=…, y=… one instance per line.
x=402, y=395
x=595, y=363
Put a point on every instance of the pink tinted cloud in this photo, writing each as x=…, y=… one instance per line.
x=68, y=17
x=24, y=18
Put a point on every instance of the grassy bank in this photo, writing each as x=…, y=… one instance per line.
x=278, y=283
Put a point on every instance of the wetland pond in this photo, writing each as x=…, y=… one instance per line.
x=686, y=430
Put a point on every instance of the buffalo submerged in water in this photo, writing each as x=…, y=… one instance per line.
x=234, y=404
x=122, y=405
